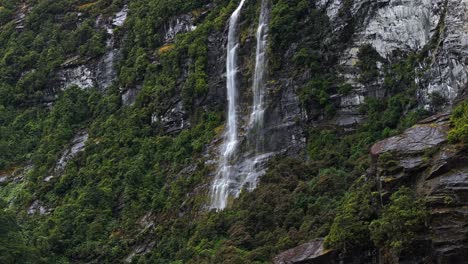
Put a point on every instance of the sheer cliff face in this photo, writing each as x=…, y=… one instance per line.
x=440, y=177
x=434, y=31
x=437, y=28
x=396, y=28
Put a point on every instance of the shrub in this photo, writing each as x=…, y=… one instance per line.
x=350, y=227
x=459, y=120
x=401, y=219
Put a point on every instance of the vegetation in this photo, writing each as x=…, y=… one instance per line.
x=368, y=58
x=12, y=242
x=459, y=119
x=400, y=221
x=137, y=186
x=350, y=228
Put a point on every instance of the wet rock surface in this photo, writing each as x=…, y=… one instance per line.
x=76, y=146
x=423, y=159
x=312, y=253
x=180, y=24
x=94, y=72
x=173, y=120
x=395, y=28
x=448, y=67
x=416, y=139
x=37, y=207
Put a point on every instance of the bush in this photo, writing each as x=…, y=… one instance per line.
x=401, y=219
x=350, y=227
x=459, y=120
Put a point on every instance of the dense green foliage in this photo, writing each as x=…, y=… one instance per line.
x=137, y=186
x=12, y=241
x=31, y=56
x=459, y=132
x=350, y=228
x=357, y=224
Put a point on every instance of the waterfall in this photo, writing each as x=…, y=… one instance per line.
x=258, y=88
x=220, y=188
x=253, y=166
x=236, y=171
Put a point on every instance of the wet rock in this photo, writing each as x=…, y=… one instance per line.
x=395, y=28
x=106, y=71
x=422, y=158
x=332, y=7
x=100, y=72
x=3, y=179
x=129, y=96
x=415, y=139
x=120, y=17
x=77, y=145
x=80, y=76
x=37, y=207
x=21, y=15
x=173, y=120
x=140, y=250
x=177, y=25
x=311, y=253
x=447, y=72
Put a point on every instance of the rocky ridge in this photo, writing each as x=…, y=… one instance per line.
x=422, y=159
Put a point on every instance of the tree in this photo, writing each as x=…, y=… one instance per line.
x=401, y=219
x=350, y=227
x=12, y=246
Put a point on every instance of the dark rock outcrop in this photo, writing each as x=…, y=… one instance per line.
x=312, y=252
x=422, y=158
x=315, y=253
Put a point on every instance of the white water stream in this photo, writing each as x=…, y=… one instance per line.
x=234, y=175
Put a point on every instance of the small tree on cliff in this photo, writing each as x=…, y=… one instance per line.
x=400, y=221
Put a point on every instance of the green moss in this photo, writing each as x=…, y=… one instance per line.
x=459, y=120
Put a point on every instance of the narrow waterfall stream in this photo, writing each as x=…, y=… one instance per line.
x=253, y=166
x=226, y=170
x=235, y=171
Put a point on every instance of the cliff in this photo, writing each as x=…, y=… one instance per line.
x=115, y=121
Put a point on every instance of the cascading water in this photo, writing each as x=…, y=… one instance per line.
x=220, y=188
x=258, y=108
x=253, y=165
x=234, y=175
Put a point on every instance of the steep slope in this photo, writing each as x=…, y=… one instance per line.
x=112, y=120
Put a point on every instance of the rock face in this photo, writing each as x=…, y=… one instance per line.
x=448, y=68
x=38, y=208
x=80, y=76
x=311, y=253
x=172, y=120
x=314, y=253
x=429, y=133
x=98, y=72
x=180, y=24
x=422, y=159
x=395, y=28
x=77, y=145
x=21, y=15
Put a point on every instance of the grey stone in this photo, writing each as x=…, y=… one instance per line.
x=413, y=140
x=312, y=253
